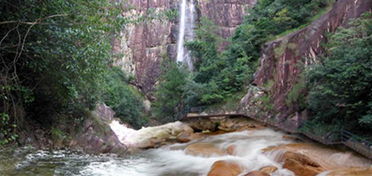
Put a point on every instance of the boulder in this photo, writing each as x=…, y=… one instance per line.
x=231, y=150
x=318, y=156
x=222, y=124
x=257, y=173
x=268, y=169
x=225, y=168
x=290, y=137
x=264, y=171
x=351, y=172
x=151, y=137
x=301, y=169
x=203, y=149
x=301, y=165
x=187, y=137
x=95, y=135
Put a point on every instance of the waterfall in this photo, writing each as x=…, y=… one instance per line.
x=186, y=31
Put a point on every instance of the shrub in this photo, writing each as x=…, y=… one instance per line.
x=340, y=87
x=120, y=97
x=170, y=94
x=226, y=72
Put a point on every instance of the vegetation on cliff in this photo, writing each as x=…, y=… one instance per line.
x=227, y=72
x=170, y=94
x=340, y=87
x=220, y=75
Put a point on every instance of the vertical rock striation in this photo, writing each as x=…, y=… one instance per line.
x=141, y=47
x=226, y=14
x=283, y=60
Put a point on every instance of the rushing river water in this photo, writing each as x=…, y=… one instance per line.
x=165, y=161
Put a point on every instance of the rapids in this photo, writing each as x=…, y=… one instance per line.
x=168, y=160
x=164, y=161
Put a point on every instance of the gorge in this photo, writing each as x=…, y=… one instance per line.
x=186, y=87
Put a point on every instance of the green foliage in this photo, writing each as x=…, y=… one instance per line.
x=340, y=88
x=171, y=94
x=205, y=51
x=55, y=57
x=226, y=72
x=57, y=134
x=296, y=95
x=320, y=128
x=266, y=102
x=59, y=51
x=7, y=129
x=122, y=99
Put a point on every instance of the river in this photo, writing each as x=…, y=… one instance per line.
x=165, y=161
x=169, y=160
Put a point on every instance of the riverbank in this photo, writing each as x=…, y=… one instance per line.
x=214, y=147
x=237, y=146
x=251, y=141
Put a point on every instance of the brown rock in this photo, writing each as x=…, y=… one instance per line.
x=187, y=137
x=184, y=137
x=203, y=149
x=96, y=136
x=143, y=45
x=318, y=156
x=351, y=172
x=289, y=137
x=231, y=150
x=268, y=169
x=226, y=14
x=301, y=165
x=225, y=168
x=257, y=173
x=284, y=60
x=218, y=132
x=301, y=158
x=300, y=169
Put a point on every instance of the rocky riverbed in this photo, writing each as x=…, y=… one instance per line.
x=212, y=147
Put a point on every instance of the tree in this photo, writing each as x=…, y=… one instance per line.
x=340, y=88
x=123, y=98
x=54, y=56
x=170, y=94
x=226, y=72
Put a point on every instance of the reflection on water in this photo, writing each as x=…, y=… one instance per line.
x=166, y=161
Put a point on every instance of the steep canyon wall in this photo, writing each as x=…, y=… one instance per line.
x=142, y=46
x=283, y=61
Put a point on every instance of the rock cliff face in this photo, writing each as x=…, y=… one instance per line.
x=283, y=60
x=226, y=14
x=142, y=46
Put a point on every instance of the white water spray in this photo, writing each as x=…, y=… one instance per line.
x=173, y=160
x=127, y=136
x=186, y=31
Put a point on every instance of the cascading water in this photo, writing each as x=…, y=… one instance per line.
x=186, y=31
x=168, y=160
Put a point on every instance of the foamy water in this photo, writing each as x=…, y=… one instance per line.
x=168, y=160
x=126, y=135
x=172, y=159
